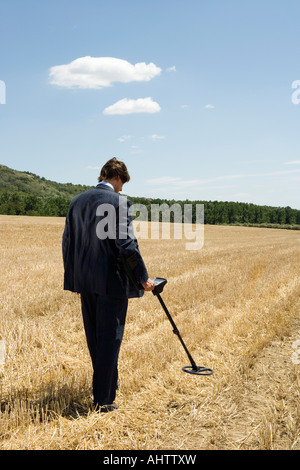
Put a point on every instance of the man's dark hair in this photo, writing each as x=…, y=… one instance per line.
x=112, y=169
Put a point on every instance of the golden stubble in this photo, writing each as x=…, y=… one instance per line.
x=235, y=303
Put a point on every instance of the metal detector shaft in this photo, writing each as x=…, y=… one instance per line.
x=193, y=368
x=127, y=265
x=176, y=331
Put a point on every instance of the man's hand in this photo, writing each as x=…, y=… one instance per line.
x=148, y=285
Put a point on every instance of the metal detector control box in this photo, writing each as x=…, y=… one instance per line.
x=160, y=283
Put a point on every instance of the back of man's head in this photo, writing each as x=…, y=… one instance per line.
x=112, y=169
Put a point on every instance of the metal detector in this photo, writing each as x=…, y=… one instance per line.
x=127, y=265
x=193, y=368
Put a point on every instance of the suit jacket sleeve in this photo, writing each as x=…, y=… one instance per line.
x=65, y=240
x=126, y=241
x=67, y=254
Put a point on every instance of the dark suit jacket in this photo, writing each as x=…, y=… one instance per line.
x=89, y=258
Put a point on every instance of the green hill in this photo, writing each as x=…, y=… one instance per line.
x=24, y=193
x=29, y=183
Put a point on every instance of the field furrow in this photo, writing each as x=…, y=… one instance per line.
x=236, y=304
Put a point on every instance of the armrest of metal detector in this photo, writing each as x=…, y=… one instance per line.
x=160, y=283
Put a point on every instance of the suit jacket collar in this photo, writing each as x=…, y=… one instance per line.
x=105, y=187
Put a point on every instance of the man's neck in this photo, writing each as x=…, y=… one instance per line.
x=108, y=184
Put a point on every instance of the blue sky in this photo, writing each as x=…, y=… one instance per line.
x=196, y=97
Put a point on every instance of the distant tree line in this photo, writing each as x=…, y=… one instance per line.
x=16, y=203
x=215, y=212
x=230, y=213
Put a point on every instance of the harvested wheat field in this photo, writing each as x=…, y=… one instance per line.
x=236, y=304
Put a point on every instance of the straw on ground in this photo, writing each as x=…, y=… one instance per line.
x=236, y=304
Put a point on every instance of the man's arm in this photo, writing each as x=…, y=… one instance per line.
x=127, y=244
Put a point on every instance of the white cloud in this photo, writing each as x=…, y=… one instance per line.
x=171, y=69
x=164, y=180
x=294, y=162
x=180, y=182
x=274, y=173
x=100, y=72
x=127, y=106
x=177, y=182
x=155, y=137
x=123, y=138
x=209, y=106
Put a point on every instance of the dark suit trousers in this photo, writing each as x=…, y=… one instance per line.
x=104, y=321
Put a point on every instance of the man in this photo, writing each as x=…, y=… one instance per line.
x=98, y=233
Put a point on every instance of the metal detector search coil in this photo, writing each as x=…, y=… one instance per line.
x=193, y=368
